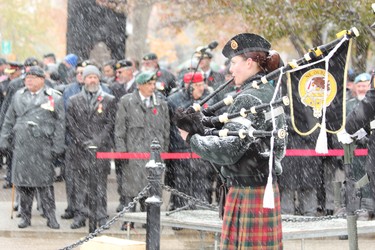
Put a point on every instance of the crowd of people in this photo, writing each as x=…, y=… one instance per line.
x=53, y=115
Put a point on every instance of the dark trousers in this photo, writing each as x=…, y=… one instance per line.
x=82, y=188
x=120, y=174
x=70, y=179
x=47, y=201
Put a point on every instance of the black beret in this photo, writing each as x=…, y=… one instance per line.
x=84, y=63
x=36, y=71
x=123, y=64
x=150, y=56
x=245, y=42
x=31, y=61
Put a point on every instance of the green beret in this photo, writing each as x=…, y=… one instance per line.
x=243, y=43
x=145, y=77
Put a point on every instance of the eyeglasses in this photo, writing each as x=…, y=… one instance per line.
x=79, y=72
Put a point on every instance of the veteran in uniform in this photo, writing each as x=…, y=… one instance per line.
x=35, y=119
x=141, y=117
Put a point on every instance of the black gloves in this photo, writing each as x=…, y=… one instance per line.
x=190, y=122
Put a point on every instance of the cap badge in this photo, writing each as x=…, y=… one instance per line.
x=233, y=44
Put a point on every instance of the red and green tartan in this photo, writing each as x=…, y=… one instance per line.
x=247, y=225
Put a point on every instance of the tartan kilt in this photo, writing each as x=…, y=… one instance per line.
x=247, y=225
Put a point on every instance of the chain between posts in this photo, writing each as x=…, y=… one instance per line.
x=110, y=222
x=187, y=197
x=322, y=218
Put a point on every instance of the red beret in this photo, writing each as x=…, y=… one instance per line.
x=193, y=77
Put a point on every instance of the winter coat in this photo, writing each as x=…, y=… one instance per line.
x=165, y=82
x=13, y=86
x=136, y=126
x=75, y=88
x=243, y=163
x=215, y=79
x=119, y=90
x=362, y=115
x=38, y=134
x=90, y=125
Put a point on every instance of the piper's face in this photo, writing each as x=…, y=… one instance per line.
x=240, y=69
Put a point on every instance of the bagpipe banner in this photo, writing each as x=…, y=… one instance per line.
x=317, y=93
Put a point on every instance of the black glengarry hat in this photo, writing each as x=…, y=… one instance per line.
x=245, y=42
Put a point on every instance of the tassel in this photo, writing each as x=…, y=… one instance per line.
x=268, y=198
x=321, y=144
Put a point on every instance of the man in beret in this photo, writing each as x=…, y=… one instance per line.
x=36, y=121
x=212, y=78
x=141, y=117
x=166, y=81
x=360, y=88
x=90, y=122
x=15, y=84
x=362, y=117
x=125, y=80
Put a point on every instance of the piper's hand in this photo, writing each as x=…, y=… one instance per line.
x=190, y=122
x=183, y=134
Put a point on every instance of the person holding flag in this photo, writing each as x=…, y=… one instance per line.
x=251, y=218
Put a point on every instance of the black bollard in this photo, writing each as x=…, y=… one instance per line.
x=92, y=185
x=155, y=169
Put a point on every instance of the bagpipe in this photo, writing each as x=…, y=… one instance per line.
x=207, y=116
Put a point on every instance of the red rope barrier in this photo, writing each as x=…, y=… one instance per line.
x=187, y=155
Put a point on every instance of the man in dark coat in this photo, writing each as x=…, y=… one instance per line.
x=90, y=122
x=124, y=83
x=141, y=117
x=212, y=78
x=166, y=81
x=35, y=119
x=67, y=171
x=363, y=116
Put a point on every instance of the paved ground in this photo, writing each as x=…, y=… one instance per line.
x=40, y=237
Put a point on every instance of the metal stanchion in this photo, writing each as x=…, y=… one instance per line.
x=155, y=169
x=352, y=197
x=92, y=185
